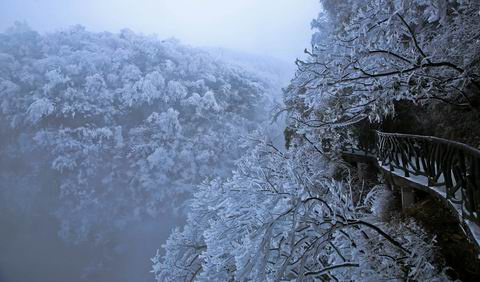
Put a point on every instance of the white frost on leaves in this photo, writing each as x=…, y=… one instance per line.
x=39, y=109
x=116, y=117
x=282, y=217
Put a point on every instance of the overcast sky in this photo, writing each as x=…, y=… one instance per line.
x=277, y=27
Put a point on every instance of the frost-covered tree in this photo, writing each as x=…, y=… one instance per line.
x=282, y=217
x=119, y=126
x=366, y=55
x=289, y=215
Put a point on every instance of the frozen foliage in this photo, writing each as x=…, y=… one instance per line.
x=282, y=217
x=366, y=55
x=120, y=126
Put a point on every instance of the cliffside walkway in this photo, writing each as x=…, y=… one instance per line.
x=446, y=169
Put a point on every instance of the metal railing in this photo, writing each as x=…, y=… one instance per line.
x=446, y=164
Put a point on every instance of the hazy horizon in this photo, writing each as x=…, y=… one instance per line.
x=279, y=29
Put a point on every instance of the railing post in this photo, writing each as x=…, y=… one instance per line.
x=404, y=161
x=476, y=187
x=408, y=197
x=469, y=201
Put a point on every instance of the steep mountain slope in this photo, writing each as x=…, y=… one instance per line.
x=303, y=214
x=109, y=131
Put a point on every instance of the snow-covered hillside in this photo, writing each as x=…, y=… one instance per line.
x=106, y=130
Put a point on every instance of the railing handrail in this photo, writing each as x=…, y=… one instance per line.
x=446, y=164
x=450, y=169
x=457, y=144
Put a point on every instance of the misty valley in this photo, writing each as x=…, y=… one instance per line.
x=129, y=157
